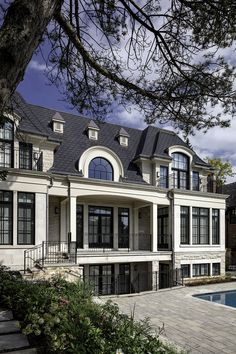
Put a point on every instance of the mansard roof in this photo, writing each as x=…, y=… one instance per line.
x=149, y=143
x=230, y=189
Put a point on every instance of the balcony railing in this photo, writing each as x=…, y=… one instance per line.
x=111, y=242
x=203, y=184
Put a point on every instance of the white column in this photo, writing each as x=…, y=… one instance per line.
x=72, y=218
x=86, y=240
x=190, y=225
x=210, y=226
x=15, y=218
x=63, y=221
x=115, y=228
x=134, y=239
x=153, y=226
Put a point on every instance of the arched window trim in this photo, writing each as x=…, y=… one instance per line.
x=181, y=176
x=101, y=151
x=102, y=170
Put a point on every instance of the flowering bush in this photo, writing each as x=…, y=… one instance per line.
x=66, y=320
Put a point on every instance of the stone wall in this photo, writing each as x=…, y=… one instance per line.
x=69, y=273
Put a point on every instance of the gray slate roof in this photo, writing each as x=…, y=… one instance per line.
x=230, y=189
x=151, y=142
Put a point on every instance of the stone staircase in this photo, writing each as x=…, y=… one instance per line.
x=12, y=341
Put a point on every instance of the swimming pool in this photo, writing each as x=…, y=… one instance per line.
x=227, y=298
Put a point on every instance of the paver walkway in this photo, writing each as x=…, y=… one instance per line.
x=12, y=340
x=196, y=325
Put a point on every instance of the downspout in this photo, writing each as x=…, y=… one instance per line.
x=170, y=196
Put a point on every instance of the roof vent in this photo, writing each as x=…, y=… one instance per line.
x=93, y=130
x=58, y=123
x=123, y=137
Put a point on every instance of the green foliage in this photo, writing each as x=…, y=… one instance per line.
x=223, y=169
x=66, y=320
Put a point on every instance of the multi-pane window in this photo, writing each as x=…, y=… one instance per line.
x=163, y=177
x=184, y=225
x=196, y=181
x=185, y=270
x=180, y=169
x=123, y=227
x=26, y=218
x=100, y=227
x=79, y=225
x=101, y=277
x=200, y=226
x=215, y=268
x=163, y=228
x=215, y=226
x=25, y=151
x=200, y=270
x=100, y=168
x=6, y=218
x=6, y=144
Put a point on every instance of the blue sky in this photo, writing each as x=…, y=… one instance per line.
x=36, y=89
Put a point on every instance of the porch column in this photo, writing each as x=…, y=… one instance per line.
x=134, y=240
x=153, y=226
x=63, y=221
x=72, y=218
x=86, y=228
x=115, y=228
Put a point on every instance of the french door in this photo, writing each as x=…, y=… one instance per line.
x=100, y=225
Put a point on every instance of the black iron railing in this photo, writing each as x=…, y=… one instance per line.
x=203, y=184
x=112, y=242
x=49, y=253
x=111, y=284
x=164, y=242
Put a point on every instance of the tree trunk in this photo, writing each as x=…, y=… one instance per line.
x=20, y=34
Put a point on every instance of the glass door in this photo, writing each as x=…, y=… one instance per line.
x=100, y=227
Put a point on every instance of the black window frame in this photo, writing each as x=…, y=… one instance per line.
x=104, y=240
x=215, y=227
x=179, y=172
x=7, y=141
x=195, y=181
x=199, y=217
x=185, y=270
x=163, y=228
x=216, y=268
x=79, y=225
x=184, y=225
x=201, y=269
x=123, y=234
x=95, y=173
x=3, y=205
x=25, y=206
x=25, y=156
x=164, y=183
x=100, y=286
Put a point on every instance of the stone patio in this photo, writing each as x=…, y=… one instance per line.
x=195, y=325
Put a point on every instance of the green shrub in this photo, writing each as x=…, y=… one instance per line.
x=66, y=320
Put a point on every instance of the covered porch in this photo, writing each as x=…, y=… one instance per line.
x=101, y=224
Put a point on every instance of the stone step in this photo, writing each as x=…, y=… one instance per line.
x=24, y=351
x=5, y=315
x=13, y=341
x=7, y=327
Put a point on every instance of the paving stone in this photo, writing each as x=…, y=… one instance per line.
x=13, y=341
x=9, y=327
x=199, y=326
x=5, y=315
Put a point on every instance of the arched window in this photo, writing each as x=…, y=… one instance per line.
x=100, y=168
x=6, y=144
x=180, y=168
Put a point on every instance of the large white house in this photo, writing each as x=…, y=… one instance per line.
x=130, y=206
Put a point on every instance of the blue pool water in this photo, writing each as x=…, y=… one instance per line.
x=227, y=298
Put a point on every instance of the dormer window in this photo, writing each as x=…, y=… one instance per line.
x=6, y=144
x=93, y=130
x=123, y=137
x=58, y=123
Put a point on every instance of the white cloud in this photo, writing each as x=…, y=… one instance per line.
x=42, y=67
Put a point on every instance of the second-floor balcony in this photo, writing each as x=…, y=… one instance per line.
x=186, y=182
x=25, y=157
